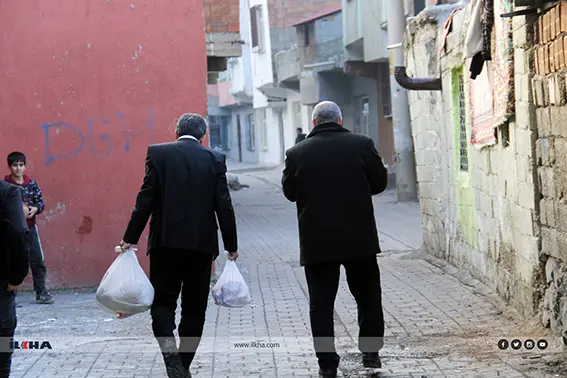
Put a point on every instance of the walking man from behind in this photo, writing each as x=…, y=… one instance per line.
x=332, y=176
x=184, y=191
x=14, y=252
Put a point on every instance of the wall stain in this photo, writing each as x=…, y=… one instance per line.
x=86, y=226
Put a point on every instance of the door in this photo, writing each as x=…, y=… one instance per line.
x=362, y=115
x=239, y=137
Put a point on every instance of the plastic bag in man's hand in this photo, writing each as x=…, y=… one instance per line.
x=125, y=289
x=231, y=289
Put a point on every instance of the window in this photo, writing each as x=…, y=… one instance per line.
x=463, y=141
x=418, y=6
x=251, y=137
x=386, y=95
x=257, y=27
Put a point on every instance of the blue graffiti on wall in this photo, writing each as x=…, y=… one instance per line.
x=90, y=137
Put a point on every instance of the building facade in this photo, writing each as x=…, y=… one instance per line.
x=87, y=100
x=489, y=147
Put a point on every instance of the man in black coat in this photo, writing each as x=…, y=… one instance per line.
x=332, y=176
x=14, y=251
x=185, y=186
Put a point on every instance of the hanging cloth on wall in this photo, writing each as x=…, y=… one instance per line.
x=478, y=42
x=448, y=28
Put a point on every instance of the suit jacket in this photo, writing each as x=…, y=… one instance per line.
x=14, y=231
x=332, y=176
x=185, y=186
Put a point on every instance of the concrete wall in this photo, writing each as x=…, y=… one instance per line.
x=483, y=219
x=241, y=67
x=362, y=32
x=85, y=87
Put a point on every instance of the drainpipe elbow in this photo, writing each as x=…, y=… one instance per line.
x=410, y=83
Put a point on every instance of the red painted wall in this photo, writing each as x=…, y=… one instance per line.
x=85, y=87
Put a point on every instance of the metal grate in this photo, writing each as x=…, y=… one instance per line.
x=463, y=147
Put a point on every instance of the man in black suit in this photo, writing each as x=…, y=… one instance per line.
x=332, y=176
x=185, y=186
x=14, y=251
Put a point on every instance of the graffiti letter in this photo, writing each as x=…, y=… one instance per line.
x=103, y=137
x=129, y=135
x=49, y=158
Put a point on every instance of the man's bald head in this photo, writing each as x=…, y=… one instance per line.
x=327, y=112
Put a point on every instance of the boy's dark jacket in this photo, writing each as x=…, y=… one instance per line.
x=31, y=195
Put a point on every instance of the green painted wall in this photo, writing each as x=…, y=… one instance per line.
x=468, y=228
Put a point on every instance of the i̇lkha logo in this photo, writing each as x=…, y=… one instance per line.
x=25, y=345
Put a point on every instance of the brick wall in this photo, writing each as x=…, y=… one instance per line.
x=285, y=13
x=222, y=16
x=549, y=97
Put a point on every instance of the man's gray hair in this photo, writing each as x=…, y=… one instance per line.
x=191, y=124
x=326, y=112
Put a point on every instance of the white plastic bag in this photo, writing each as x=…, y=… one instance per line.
x=125, y=289
x=231, y=289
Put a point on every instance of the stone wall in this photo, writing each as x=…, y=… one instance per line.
x=483, y=218
x=550, y=99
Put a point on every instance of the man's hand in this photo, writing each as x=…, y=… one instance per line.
x=232, y=256
x=32, y=211
x=125, y=246
x=11, y=288
x=26, y=210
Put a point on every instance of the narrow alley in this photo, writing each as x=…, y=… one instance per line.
x=437, y=324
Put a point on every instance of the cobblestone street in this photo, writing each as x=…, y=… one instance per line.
x=438, y=324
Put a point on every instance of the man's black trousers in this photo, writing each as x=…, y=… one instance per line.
x=7, y=328
x=172, y=272
x=363, y=278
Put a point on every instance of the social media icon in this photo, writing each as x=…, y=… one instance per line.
x=529, y=344
x=542, y=344
x=516, y=344
x=503, y=344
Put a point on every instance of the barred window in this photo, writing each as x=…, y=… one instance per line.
x=463, y=145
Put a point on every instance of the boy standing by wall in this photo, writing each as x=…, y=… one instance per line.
x=33, y=201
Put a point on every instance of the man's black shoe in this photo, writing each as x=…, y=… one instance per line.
x=328, y=373
x=371, y=360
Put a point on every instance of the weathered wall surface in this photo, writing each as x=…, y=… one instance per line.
x=482, y=218
x=549, y=97
x=84, y=88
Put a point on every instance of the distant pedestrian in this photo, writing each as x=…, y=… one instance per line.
x=300, y=135
x=33, y=199
x=332, y=176
x=185, y=191
x=14, y=254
